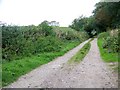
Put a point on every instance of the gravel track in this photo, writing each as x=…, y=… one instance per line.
x=92, y=72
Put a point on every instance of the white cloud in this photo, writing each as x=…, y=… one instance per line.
x=25, y=12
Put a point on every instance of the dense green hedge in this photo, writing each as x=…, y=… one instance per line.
x=108, y=46
x=23, y=40
x=20, y=41
x=110, y=42
x=27, y=47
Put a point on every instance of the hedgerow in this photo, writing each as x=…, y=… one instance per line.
x=110, y=42
x=22, y=41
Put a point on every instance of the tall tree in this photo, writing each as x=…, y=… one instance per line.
x=107, y=14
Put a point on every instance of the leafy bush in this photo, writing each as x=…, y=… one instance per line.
x=103, y=35
x=21, y=41
x=48, y=44
x=110, y=42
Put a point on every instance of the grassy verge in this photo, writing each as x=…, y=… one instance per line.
x=0, y=74
x=81, y=53
x=12, y=70
x=109, y=47
x=106, y=56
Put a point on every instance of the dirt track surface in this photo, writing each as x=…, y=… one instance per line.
x=92, y=72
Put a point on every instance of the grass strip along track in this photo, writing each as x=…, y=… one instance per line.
x=81, y=53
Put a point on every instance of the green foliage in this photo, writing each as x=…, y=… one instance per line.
x=20, y=41
x=78, y=23
x=48, y=44
x=27, y=47
x=110, y=42
x=0, y=75
x=103, y=35
x=90, y=27
x=85, y=24
x=23, y=40
x=107, y=15
x=66, y=33
x=108, y=46
x=81, y=53
x=46, y=29
x=12, y=70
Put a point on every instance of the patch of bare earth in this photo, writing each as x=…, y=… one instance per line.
x=92, y=72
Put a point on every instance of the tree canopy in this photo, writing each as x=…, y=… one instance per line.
x=106, y=15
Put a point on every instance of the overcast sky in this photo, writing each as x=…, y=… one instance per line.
x=26, y=12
